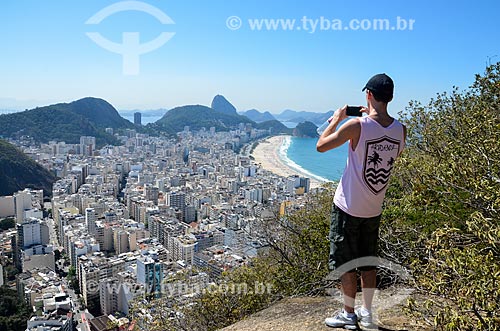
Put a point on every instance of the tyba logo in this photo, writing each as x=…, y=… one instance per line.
x=130, y=48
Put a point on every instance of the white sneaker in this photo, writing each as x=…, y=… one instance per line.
x=342, y=320
x=364, y=317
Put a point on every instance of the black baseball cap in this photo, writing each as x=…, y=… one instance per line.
x=380, y=84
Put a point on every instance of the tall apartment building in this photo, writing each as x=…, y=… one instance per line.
x=306, y=184
x=151, y=193
x=89, y=277
x=22, y=202
x=176, y=200
x=182, y=248
x=92, y=270
x=90, y=219
x=79, y=244
x=109, y=295
x=150, y=273
x=104, y=236
x=137, y=118
x=30, y=233
x=2, y=281
x=87, y=145
x=125, y=240
x=163, y=228
x=189, y=214
x=33, y=232
x=292, y=182
x=7, y=207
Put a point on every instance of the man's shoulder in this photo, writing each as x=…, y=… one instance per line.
x=352, y=128
x=353, y=125
x=354, y=122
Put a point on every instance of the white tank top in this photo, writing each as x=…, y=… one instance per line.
x=361, y=190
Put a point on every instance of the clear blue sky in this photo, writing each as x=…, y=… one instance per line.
x=47, y=57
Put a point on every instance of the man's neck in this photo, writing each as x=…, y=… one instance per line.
x=379, y=113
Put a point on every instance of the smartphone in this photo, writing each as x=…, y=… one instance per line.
x=354, y=111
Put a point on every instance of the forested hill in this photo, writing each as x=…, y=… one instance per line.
x=99, y=112
x=18, y=171
x=66, y=122
x=197, y=117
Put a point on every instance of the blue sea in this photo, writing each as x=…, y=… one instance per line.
x=144, y=120
x=301, y=154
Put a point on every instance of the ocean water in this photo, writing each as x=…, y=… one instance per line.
x=301, y=154
x=144, y=120
x=290, y=125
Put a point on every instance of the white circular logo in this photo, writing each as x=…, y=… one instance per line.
x=233, y=22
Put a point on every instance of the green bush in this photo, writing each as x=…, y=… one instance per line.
x=445, y=200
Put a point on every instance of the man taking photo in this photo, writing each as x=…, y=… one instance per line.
x=375, y=141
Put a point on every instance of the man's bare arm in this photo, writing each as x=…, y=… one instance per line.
x=331, y=138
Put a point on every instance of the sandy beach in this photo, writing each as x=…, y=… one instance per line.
x=267, y=154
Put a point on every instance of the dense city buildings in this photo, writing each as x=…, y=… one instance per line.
x=128, y=219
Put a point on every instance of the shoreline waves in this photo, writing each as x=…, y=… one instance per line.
x=271, y=153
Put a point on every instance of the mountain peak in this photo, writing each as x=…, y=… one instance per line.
x=197, y=117
x=99, y=111
x=91, y=101
x=257, y=116
x=220, y=104
x=66, y=122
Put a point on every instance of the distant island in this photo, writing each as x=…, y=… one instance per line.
x=305, y=130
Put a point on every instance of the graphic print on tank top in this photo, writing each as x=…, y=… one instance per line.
x=379, y=160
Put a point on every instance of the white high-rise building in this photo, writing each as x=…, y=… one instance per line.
x=90, y=218
x=32, y=232
x=108, y=295
x=104, y=236
x=292, y=182
x=115, y=295
x=32, y=213
x=33, y=237
x=22, y=201
x=182, y=248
